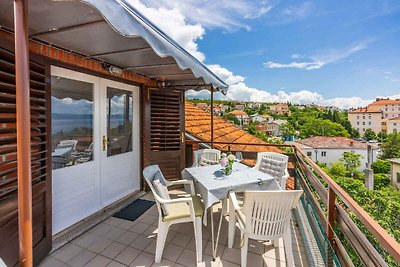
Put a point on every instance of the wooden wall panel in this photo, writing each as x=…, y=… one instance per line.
x=163, y=132
x=40, y=154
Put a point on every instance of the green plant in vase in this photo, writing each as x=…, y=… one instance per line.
x=227, y=161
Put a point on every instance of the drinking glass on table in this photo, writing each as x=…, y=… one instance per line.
x=239, y=156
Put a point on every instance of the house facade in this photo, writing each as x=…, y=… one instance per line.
x=326, y=149
x=241, y=116
x=390, y=107
x=392, y=125
x=99, y=113
x=395, y=172
x=261, y=118
x=280, y=109
x=366, y=118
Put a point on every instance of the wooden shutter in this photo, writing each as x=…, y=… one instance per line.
x=41, y=169
x=164, y=130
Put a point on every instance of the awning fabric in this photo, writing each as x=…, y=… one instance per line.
x=132, y=43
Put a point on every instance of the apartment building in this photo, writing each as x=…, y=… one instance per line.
x=390, y=108
x=364, y=118
x=242, y=116
x=392, y=125
x=261, y=118
x=280, y=109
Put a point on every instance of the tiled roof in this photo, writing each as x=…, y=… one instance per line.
x=238, y=113
x=380, y=102
x=332, y=142
x=198, y=124
x=395, y=119
x=365, y=110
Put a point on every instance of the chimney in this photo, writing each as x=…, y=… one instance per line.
x=351, y=143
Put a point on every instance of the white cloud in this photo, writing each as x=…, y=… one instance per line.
x=174, y=24
x=238, y=90
x=225, y=14
x=319, y=60
x=296, y=56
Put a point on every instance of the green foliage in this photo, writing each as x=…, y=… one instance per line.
x=381, y=181
x=321, y=127
x=337, y=169
x=381, y=204
x=369, y=134
x=351, y=162
x=231, y=117
x=381, y=166
x=286, y=129
x=391, y=148
x=382, y=137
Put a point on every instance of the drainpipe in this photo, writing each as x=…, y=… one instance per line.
x=23, y=132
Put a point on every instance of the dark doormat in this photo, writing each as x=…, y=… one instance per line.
x=134, y=210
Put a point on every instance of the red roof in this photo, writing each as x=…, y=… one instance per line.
x=380, y=102
x=238, y=113
x=198, y=124
x=365, y=110
x=332, y=142
x=395, y=119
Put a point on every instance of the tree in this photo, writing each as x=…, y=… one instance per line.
x=231, y=117
x=352, y=162
x=286, y=129
x=337, y=169
x=369, y=134
x=391, y=148
x=381, y=166
x=321, y=127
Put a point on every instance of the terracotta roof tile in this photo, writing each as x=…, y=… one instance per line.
x=198, y=124
x=332, y=142
x=385, y=102
x=238, y=112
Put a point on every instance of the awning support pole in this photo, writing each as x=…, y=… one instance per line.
x=23, y=132
x=212, y=118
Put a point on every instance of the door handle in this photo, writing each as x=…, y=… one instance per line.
x=104, y=143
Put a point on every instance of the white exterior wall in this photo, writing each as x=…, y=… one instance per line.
x=333, y=155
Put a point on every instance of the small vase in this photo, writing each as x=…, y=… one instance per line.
x=228, y=168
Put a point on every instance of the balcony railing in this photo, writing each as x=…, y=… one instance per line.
x=332, y=211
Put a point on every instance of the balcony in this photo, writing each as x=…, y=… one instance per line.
x=324, y=229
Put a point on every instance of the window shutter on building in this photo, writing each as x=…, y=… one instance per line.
x=40, y=149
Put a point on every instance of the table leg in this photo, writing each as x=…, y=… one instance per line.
x=215, y=242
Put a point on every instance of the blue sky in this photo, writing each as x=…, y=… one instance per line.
x=342, y=53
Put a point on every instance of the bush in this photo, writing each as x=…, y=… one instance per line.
x=381, y=166
x=381, y=181
x=337, y=169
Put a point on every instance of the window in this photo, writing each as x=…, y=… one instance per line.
x=309, y=153
x=358, y=117
x=358, y=123
x=363, y=117
x=72, y=122
x=369, y=123
x=369, y=116
x=323, y=153
x=398, y=177
x=395, y=124
x=386, y=115
x=363, y=122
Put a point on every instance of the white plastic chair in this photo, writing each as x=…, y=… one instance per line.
x=274, y=164
x=265, y=215
x=180, y=210
x=68, y=144
x=206, y=157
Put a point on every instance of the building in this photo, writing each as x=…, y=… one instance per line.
x=223, y=108
x=273, y=127
x=395, y=172
x=239, y=107
x=390, y=107
x=253, y=104
x=261, y=118
x=326, y=149
x=241, y=116
x=262, y=127
x=91, y=127
x=280, y=109
x=366, y=118
x=392, y=125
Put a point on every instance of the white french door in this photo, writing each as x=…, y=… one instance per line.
x=96, y=149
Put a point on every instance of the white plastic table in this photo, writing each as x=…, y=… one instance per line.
x=214, y=186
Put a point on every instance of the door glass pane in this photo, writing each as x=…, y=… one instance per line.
x=119, y=121
x=72, y=122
